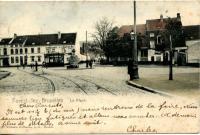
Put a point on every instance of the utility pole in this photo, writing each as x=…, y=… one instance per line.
x=170, y=63
x=134, y=53
x=86, y=49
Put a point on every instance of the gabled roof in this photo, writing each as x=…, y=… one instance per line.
x=5, y=41
x=157, y=24
x=140, y=28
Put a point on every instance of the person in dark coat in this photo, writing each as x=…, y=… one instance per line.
x=90, y=63
x=130, y=69
x=36, y=66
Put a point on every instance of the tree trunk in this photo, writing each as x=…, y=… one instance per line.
x=107, y=59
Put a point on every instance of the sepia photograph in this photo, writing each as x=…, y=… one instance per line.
x=99, y=67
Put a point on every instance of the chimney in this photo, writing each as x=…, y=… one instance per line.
x=59, y=35
x=15, y=35
x=178, y=17
x=161, y=17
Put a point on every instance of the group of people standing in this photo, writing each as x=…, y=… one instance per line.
x=89, y=63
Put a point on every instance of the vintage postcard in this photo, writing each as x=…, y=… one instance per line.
x=99, y=67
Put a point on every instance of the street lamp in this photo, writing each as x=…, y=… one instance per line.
x=132, y=35
x=86, y=49
x=134, y=66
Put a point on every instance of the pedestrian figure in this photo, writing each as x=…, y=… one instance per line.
x=87, y=62
x=36, y=66
x=130, y=69
x=23, y=66
x=43, y=64
x=90, y=63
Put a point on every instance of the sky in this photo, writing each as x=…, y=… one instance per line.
x=40, y=17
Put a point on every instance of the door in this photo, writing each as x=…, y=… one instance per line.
x=5, y=62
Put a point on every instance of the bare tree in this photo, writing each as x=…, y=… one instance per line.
x=102, y=28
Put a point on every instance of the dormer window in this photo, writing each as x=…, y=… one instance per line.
x=64, y=42
x=33, y=43
x=48, y=43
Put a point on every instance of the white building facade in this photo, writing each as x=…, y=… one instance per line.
x=44, y=48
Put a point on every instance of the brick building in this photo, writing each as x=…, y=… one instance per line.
x=152, y=47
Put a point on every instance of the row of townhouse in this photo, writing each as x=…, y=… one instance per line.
x=152, y=47
x=52, y=49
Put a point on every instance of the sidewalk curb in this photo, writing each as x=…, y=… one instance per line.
x=148, y=89
x=6, y=75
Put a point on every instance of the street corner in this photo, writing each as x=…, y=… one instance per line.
x=4, y=74
x=147, y=89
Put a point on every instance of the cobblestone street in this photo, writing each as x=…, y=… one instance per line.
x=100, y=80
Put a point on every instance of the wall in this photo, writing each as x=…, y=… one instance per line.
x=193, y=51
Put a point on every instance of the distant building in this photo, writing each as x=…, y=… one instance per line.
x=192, y=36
x=152, y=46
x=52, y=49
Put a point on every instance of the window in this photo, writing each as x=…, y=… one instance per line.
x=152, y=44
x=144, y=53
x=39, y=58
x=48, y=50
x=11, y=51
x=12, y=60
x=159, y=40
x=32, y=50
x=21, y=51
x=53, y=50
x=17, y=59
x=5, y=51
x=38, y=50
x=32, y=58
x=151, y=35
x=26, y=50
x=16, y=51
x=158, y=58
x=21, y=59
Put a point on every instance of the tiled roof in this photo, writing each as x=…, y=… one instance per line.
x=157, y=24
x=42, y=39
x=68, y=38
x=5, y=41
x=140, y=28
x=18, y=40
